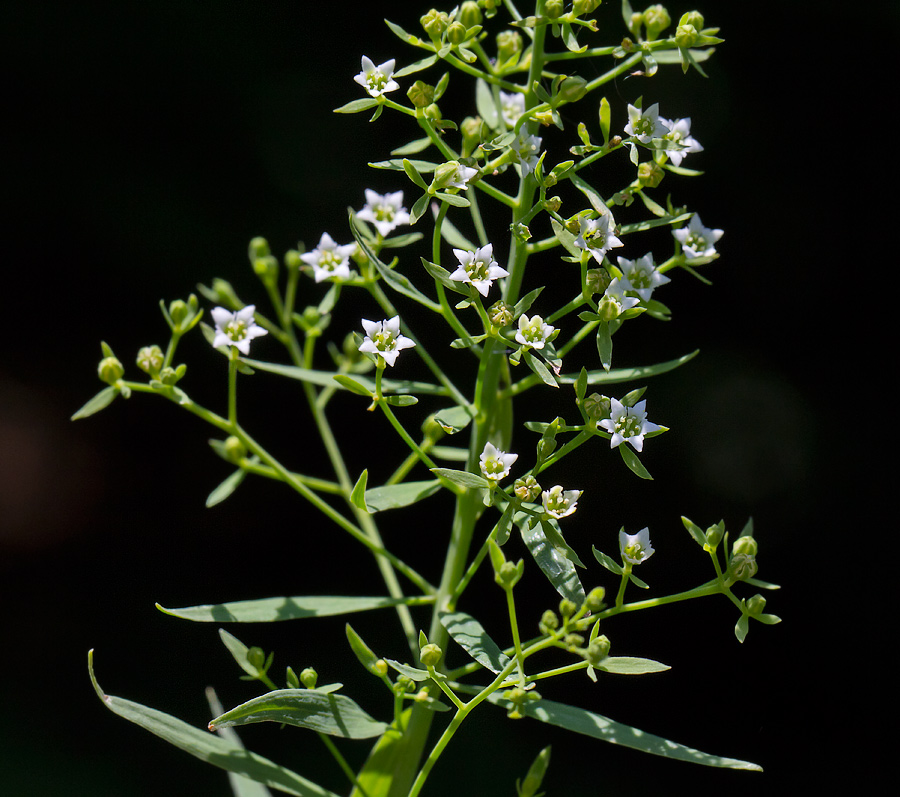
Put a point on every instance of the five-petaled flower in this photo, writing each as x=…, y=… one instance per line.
x=627, y=424
x=680, y=134
x=377, y=80
x=329, y=260
x=478, y=268
x=236, y=329
x=645, y=125
x=642, y=275
x=558, y=502
x=635, y=548
x=385, y=211
x=533, y=332
x=596, y=237
x=697, y=240
x=495, y=464
x=384, y=339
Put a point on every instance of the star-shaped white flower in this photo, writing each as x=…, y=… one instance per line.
x=642, y=275
x=377, y=80
x=236, y=329
x=329, y=260
x=615, y=301
x=697, y=240
x=512, y=106
x=495, y=464
x=636, y=548
x=595, y=236
x=384, y=339
x=384, y=211
x=533, y=332
x=558, y=502
x=527, y=150
x=478, y=268
x=680, y=133
x=645, y=125
x=627, y=424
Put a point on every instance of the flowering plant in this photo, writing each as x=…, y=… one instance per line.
x=478, y=180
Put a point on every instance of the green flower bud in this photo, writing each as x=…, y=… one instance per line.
x=714, y=535
x=553, y=204
x=573, y=225
x=650, y=174
x=259, y=247
x=235, y=450
x=470, y=14
x=686, y=36
x=257, y=657
x=554, y=9
x=457, y=33
x=582, y=7
x=634, y=25
x=471, y=129
x=527, y=489
x=567, y=608
x=573, y=642
x=595, y=598
x=225, y=295
x=170, y=376
x=293, y=682
x=435, y=23
x=509, y=46
x=742, y=566
x=292, y=260
x=572, y=89
x=178, y=311
x=309, y=677
x=597, y=407
x=501, y=314
x=694, y=18
x=110, y=370
x=430, y=655
x=420, y=94
x=433, y=112
x=597, y=650
x=755, y=605
x=549, y=622
x=597, y=280
x=404, y=684
x=745, y=545
x=266, y=268
x=509, y=574
x=381, y=668
x=445, y=174
x=608, y=308
x=656, y=20
x=150, y=360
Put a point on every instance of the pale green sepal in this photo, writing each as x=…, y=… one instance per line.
x=336, y=715
x=394, y=496
x=605, y=117
x=695, y=531
x=596, y=726
x=604, y=345
x=762, y=584
x=413, y=174
x=472, y=637
x=462, y=478
x=270, y=610
x=741, y=627
x=101, y=401
x=226, y=488
x=207, y=747
x=554, y=564
x=358, y=494
x=401, y=401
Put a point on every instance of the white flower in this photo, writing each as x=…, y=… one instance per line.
x=377, y=79
x=627, y=424
x=384, y=339
x=642, y=275
x=453, y=174
x=558, y=502
x=495, y=464
x=636, y=548
x=595, y=236
x=478, y=268
x=645, y=125
x=236, y=329
x=680, y=133
x=385, y=211
x=329, y=260
x=614, y=301
x=697, y=240
x=512, y=106
x=533, y=332
x=527, y=150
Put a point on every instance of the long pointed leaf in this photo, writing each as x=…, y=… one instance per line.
x=472, y=637
x=394, y=496
x=554, y=564
x=628, y=374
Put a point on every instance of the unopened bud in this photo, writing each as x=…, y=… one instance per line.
x=656, y=20
x=457, y=33
x=470, y=14
x=527, y=489
x=433, y=112
x=743, y=566
x=694, y=18
x=686, y=36
x=500, y=314
x=567, y=608
x=381, y=668
x=266, y=268
x=150, y=360
x=650, y=174
x=572, y=89
x=420, y=94
x=471, y=129
x=553, y=9
x=509, y=45
x=549, y=622
x=597, y=280
x=573, y=641
x=179, y=311
x=235, y=450
x=430, y=655
x=309, y=677
x=292, y=260
x=597, y=407
x=608, y=308
x=256, y=657
x=445, y=174
x=595, y=598
x=755, y=605
x=110, y=370
x=553, y=204
x=259, y=247
x=582, y=7
x=435, y=23
x=597, y=650
x=745, y=545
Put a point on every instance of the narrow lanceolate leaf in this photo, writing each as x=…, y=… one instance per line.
x=207, y=747
x=484, y=102
x=554, y=564
x=362, y=651
x=226, y=488
x=394, y=496
x=102, y=400
x=358, y=495
x=599, y=727
x=462, y=477
x=472, y=637
x=356, y=106
x=269, y=610
x=616, y=375
x=336, y=715
x=633, y=463
x=631, y=665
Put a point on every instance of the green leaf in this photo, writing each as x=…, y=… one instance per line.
x=413, y=174
x=413, y=673
x=598, y=727
x=629, y=374
x=555, y=565
x=566, y=238
x=591, y=193
x=335, y=715
x=535, y=777
x=270, y=610
x=226, y=488
x=472, y=637
x=386, y=761
x=352, y=385
x=608, y=562
x=394, y=496
x=536, y=365
x=633, y=463
x=463, y=478
x=441, y=275
x=102, y=400
x=417, y=66
x=649, y=224
x=450, y=453
x=362, y=651
x=524, y=304
x=358, y=495
x=401, y=401
x=418, y=209
x=605, y=116
x=396, y=164
x=484, y=102
x=418, y=145
x=741, y=628
x=453, y=419
x=604, y=344
x=453, y=199
x=207, y=747
x=356, y=106
x=239, y=651
x=695, y=531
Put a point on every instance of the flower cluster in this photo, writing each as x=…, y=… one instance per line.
x=675, y=135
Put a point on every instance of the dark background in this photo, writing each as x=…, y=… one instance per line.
x=147, y=143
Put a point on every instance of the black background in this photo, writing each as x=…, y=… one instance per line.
x=147, y=143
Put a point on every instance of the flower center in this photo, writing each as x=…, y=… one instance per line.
x=639, y=279
x=493, y=466
x=236, y=330
x=477, y=270
x=634, y=551
x=376, y=80
x=384, y=341
x=628, y=426
x=384, y=213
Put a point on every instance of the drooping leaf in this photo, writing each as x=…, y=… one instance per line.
x=362, y=651
x=226, y=488
x=554, y=564
x=208, y=747
x=269, y=610
x=472, y=637
x=335, y=715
